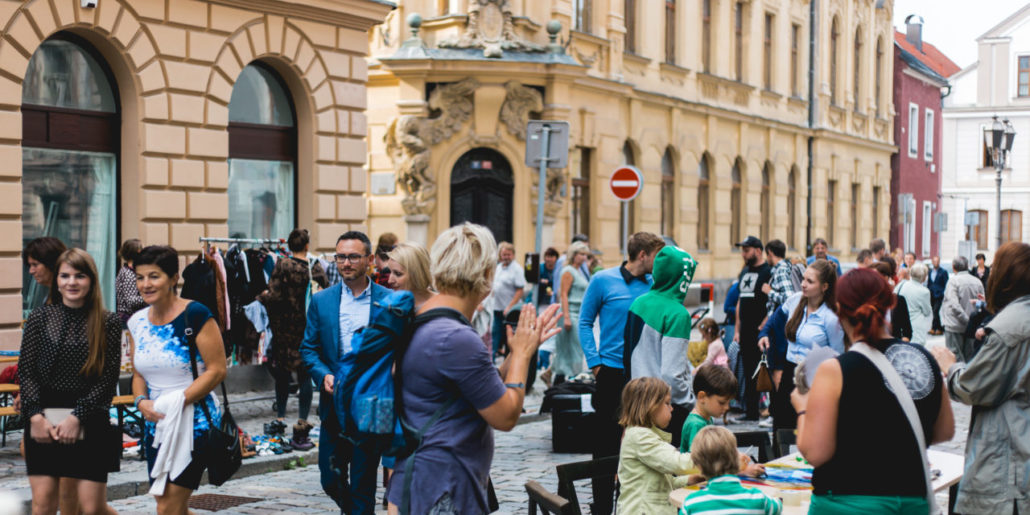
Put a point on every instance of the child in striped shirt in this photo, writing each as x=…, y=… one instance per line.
x=714, y=450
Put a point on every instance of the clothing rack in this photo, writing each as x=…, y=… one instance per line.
x=247, y=241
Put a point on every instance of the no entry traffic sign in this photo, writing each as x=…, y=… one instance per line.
x=626, y=183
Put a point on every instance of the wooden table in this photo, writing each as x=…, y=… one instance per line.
x=950, y=465
x=8, y=359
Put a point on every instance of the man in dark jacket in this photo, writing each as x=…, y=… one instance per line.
x=937, y=281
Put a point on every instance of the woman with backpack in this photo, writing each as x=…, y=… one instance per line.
x=450, y=385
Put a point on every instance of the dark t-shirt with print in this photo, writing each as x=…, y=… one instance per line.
x=752, y=298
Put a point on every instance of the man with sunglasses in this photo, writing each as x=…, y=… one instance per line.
x=334, y=315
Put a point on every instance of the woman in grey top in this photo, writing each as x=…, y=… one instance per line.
x=996, y=383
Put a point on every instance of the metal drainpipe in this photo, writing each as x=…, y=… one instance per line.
x=812, y=26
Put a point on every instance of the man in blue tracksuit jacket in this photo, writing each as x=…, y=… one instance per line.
x=610, y=294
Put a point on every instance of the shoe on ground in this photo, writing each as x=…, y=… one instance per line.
x=301, y=440
x=765, y=422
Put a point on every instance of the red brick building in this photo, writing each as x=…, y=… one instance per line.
x=920, y=80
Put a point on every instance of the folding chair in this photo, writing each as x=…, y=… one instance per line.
x=549, y=504
x=759, y=439
x=603, y=468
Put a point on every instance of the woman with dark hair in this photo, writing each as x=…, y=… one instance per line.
x=127, y=297
x=851, y=416
x=163, y=382
x=284, y=302
x=68, y=368
x=40, y=255
x=981, y=271
x=811, y=321
x=996, y=382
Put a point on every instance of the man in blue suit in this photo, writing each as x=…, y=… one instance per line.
x=937, y=281
x=334, y=315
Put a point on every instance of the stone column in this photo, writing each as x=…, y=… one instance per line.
x=418, y=228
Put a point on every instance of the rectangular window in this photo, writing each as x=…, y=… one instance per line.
x=927, y=228
x=854, y=214
x=261, y=198
x=928, y=135
x=581, y=14
x=1011, y=225
x=670, y=31
x=767, y=52
x=581, y=194
x=738, y=41
x=795, y=56
x=876, y=210
x=630, y=15
x=1024, y=75
x=706, y=35
x=831, y=219
x=978, y=231
x=913, y=130
x=986, y=159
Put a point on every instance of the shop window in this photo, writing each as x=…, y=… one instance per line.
x=262, y=156
x=70, y=143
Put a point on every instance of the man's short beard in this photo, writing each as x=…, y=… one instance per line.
x=751, y=260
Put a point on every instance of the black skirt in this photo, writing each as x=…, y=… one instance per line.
x=91, y=458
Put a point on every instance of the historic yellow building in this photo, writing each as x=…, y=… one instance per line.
x=169, y=120
x=708, y=98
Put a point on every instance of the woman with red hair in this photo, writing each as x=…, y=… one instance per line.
x=851, y=416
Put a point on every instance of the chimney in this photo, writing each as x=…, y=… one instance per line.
x=914, y=30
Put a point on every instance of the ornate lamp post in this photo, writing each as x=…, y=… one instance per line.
x=999, y=138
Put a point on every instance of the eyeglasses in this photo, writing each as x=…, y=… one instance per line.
x=353, y=258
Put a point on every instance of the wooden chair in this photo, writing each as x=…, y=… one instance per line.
x=603, y=468
x=758, y=439
x=782, y=440
x=549, y=504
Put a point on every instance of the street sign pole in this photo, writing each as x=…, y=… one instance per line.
x=625, y=224
x=626, y=183
x=541, y=188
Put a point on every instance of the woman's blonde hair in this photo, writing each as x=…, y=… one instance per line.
x=463, y=259
x=576, y=248
x=714, y=450
x=415, y=260
x=96, y=340
x=640, y=397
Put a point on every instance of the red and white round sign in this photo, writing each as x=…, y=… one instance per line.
x=626, y=183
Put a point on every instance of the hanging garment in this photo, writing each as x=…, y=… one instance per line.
x=198, y=283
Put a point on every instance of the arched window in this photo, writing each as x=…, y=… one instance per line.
x=879, y=76
x=765, y=201
x=831, y=211
x=857, y=79
x=70, y=143
x=703, y=179
x=262, y=156
x=834, y=47
x=735, y=215
x=792, y=185
x=628, y=157
x=668, y=193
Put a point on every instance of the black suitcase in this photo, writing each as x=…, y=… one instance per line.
x=571, y=427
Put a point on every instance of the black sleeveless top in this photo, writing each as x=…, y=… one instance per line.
x=877, y=453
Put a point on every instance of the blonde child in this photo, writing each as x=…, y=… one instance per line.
x=649, y=466
x=715, y=452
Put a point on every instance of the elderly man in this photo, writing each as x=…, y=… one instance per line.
x=962, y=292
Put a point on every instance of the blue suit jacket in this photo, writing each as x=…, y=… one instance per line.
x=320, y=349
x=937, y=286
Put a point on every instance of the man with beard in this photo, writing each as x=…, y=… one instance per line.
x=333, y=318
x=751, y=314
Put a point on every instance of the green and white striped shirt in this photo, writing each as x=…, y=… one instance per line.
x=726, y=496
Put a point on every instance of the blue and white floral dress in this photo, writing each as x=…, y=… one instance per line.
x=162, y=357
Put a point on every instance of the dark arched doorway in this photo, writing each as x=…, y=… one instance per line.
x=481, y=191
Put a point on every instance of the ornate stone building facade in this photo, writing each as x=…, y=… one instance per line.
x=169, y=120
x=708, y=98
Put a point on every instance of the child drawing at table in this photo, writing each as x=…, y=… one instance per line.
x=715, y=452
x=714, y=387
x=649, y=466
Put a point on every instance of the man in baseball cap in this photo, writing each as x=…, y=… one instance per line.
x=751, y=311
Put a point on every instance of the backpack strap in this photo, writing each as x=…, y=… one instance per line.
x=409, y=466
x=191, y=341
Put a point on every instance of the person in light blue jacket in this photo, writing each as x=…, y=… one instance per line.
x=917, y=296
x=811, y=322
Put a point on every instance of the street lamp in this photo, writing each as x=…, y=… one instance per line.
x=999, y=142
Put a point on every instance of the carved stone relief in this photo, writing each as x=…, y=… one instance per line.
x=519, y=101
x=490, y=28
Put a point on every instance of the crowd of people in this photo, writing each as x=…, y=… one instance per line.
x=857, y=336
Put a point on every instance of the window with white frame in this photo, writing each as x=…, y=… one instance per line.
x=928, y=135
x=927, y=228
x=913, y=130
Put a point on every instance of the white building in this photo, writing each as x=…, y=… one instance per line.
x=997, y=84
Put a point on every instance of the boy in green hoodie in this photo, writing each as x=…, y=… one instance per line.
x=658, y=332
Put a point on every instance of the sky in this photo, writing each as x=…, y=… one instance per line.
x=953, y=25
